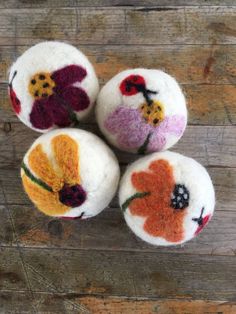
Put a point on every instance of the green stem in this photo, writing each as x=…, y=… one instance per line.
x=34, y=179
x=131, y=198
x=142, y=149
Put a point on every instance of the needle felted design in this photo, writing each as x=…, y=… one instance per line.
x=166, y=198
x=142, y=111
x=52, y=85
x=59, y=178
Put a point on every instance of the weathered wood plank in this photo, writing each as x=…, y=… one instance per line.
x=131, y=274
x=192, y=25
x=22, y=302
x=153, y=4
x=124, y=306
x=6, y=231
x=12, y=276
x=224, y=181
x=210, y=145
x=212, y=64
x=34, y=229
x=207, y=105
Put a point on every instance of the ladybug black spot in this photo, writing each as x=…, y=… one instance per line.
x=180, y=197
x=33, y=82
x=45, y=85
x=42, y=77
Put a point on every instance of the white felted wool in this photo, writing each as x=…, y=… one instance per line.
x=142, y=110
x=166, y=198
x=51, y=85
x=70, y=173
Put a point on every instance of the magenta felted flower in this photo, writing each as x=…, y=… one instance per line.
x=56, y=97
x=135, y=131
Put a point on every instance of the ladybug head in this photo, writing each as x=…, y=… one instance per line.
x=132, y=85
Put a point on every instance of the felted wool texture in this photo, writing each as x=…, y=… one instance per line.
x=166, y=198
x=52, y=84
x=70, y=173
x=142, y=110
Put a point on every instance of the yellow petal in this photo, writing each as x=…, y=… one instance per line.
x=67, y=157
x=47, y=202
x=41, y=166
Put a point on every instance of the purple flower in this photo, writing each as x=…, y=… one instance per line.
x=56, y=98
x=134, y=133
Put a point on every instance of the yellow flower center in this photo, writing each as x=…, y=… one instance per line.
x=41, y=85
x=154, y=113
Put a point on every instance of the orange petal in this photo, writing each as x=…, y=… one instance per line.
x=165, y=225
x=41, y=166
x=139, y=207
x=67, y=157
x=47, y=202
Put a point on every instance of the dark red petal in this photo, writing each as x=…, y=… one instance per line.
x=15, y=101
x=68, y=76
x=75, y=97
x=47, y=112
x=40, y=116
x=127, y=86
x=58, y=111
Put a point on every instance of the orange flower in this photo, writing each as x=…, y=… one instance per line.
x=153, y=201
x=56, y=187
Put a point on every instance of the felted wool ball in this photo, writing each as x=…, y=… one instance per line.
x=70, y=173
x=51, y=85
x=166, y=198
x=142, y=110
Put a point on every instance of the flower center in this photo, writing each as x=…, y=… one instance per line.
x=41, y=85
x=153, y=113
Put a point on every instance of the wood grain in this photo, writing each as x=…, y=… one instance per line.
x=206, y=64
x=148, y=4
x=24, y=302
x=99, y=266
x=131, y=274
x=182, y=25
x=207, y=105
x=224, y=181
x=34, y=229
x=12, y=274
x=204, y=144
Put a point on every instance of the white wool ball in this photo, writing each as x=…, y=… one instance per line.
x=51, y=85
x=142, y=110
x=166, y=198
x=70, y=173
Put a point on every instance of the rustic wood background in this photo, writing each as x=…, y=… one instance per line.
x=99, y=266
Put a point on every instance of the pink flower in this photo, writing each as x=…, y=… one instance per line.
x=135, y=133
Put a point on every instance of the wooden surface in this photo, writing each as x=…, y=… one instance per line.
x=99, y=266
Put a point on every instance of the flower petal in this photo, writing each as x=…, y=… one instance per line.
x=157, y=142
x=68, y=75
x=40, y=116
x=47, y=202
x=41, y=166
x=75, y=97
x=49, y=111
x=58, y=111
x=127, y=123
x=67, y=157
x=173, y=124
x=166, y=225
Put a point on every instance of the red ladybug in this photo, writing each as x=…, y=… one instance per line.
x=14, y=100
x=134, y=84
x=202, y=221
